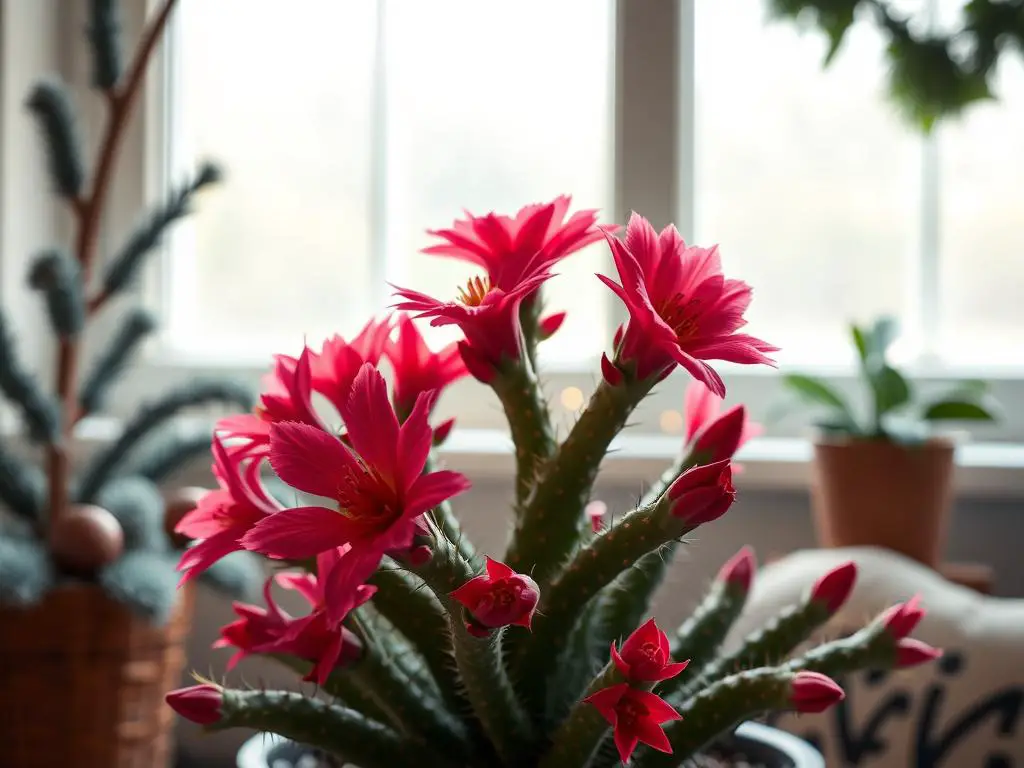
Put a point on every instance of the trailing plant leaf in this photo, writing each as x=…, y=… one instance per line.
x=51, y=105
x=135, y=326
x=57, y=275
x=146, y=582
x=38, y=410
x=891, y=390
x=138, y=506
x=125, y=264
x=150, y=417
x=817, y=392
x=104, y=32
x=21, y=486
x=238, y=575
x=26, y=573
x=957, y=410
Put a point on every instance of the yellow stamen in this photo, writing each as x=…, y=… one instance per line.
x=475, y=291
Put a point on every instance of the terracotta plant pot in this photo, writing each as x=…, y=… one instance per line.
x=82, y=680
x=877, y=493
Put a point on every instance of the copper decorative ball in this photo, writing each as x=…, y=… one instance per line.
x=85, y=538
x=179, y=503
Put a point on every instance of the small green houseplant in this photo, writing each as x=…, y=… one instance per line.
x=88, y=580
x=430, y=653
x=883, y=477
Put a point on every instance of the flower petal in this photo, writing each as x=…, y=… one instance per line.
x=371, y=422
x=309, y=459
x=297, y=533
x=430, y=490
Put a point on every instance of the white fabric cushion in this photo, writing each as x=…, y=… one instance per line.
x=964, y=711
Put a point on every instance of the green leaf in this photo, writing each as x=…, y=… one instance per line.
x=860, y=341
x=883, y=334
x=968, y=389
x=818, y=392
x=891, y=389
x=957, y=410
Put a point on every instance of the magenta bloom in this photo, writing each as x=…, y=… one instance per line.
x=377, y=484
x=487, y=315
x=813, y=692
x=336, y=365
x=199, y=703
x=899, y=621
x=419, y=370
x=702, y=494
x=645, y=656
x=682, y=310
x=636, y=716
x=511, y=248
x=498, y=598
x=223, y=516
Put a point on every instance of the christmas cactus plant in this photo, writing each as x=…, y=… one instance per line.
x=429, y=653
x=102, y=521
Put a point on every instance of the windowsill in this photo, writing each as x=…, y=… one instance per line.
x=769, y=463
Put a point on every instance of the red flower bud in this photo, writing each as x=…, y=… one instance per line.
x=901, y=619
x=702, y=494
x=835, y=587
x=198, y=703
x=498, y=598
x=910, y=652
x=739, y=569
x=442, y=431
x=723, y=436
x=814, y=692
x=645, y=656
x=549, y=325
x=595, y=512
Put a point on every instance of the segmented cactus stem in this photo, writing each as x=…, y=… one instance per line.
x=581, y=733
x=479, y=659
x=527, y=412
x=335, y=729
x=716, y=709
x=546, y=533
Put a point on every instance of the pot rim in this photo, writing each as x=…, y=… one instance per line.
x=802, y=754
x=943, y=441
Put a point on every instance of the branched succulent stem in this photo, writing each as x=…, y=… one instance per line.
x=546, y=532
x=330, y=727
x=519, y=391
x=581, y=733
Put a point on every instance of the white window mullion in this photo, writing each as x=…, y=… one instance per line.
x=381, y=270
x=686, y=145
x=926, y=309
x=647, y=114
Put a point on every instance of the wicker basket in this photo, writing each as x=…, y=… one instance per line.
x=82, y=682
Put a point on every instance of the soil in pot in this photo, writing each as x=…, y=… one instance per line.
x=878, y=493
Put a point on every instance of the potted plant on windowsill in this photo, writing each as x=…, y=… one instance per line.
x=429, y=653
x=92, y=626
x=885, y=479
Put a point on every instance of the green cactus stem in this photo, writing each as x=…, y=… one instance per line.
x=407, y=704
x=546, y=532
x=869, y=648
x=615, y=549
x=717, y=709
x=581, y=733
x=335, y=729
x=479, y=659
x=415, y=612
x=767, y=645
x=340, y=685
x=700, y=636
x=519, y=391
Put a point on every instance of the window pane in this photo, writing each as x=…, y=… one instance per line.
x=283, y=101
x=982, y=258
x=485, y=121
x=805, y=177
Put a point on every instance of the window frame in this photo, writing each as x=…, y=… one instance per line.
x=653, y=171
